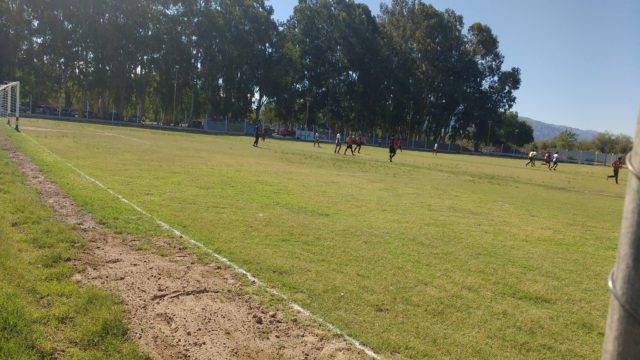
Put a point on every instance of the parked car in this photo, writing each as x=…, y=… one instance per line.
x=114, y=116
x=287, y=132
x=66, y=112
x=44, y=110
x=87, y=115
x=195, y=124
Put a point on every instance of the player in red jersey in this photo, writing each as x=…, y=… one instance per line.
x=392, y=148
x=349, y=145
x=616, y=165
x=547, y=159
x=358, y=143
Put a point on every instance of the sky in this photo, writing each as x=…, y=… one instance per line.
x=580, y=59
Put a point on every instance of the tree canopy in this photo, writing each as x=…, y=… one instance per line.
x=412, y=70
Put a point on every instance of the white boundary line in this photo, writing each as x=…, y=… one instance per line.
x=221, y=258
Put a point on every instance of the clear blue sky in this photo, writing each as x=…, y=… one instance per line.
x=580, y=59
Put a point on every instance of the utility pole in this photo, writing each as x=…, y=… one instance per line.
x=622, y=336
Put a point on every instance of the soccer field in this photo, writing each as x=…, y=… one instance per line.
x=451, y=256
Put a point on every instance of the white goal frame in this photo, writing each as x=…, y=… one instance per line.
x=7, y=107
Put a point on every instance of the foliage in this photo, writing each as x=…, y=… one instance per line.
x=510, y=130
x=605, y=142
x=413, y=70
x=566, y=139
x=609, y=143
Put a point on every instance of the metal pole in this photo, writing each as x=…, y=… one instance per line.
x=18, y=108
x=622, y=336
x=8, y=105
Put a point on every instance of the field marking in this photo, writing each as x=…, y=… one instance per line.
x=221, y=258
x=46, y=129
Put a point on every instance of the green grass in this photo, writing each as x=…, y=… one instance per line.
x=449, y=256
x=43, y=314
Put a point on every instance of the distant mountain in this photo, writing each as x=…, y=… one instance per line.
x=544, y=131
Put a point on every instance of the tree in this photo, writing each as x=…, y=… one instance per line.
x=414, y=70
x=623, y=144
x=443, y=81
x=566, y=139
x=604, y=142
x=511, y=130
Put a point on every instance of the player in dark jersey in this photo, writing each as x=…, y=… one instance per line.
x=392, y=148
x=257, y=134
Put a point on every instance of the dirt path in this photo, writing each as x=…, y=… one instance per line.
x=179, y=308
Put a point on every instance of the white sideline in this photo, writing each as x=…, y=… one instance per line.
x=221, y=258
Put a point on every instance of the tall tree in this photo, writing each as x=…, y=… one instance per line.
x=566, y=139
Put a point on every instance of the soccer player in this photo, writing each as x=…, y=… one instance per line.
x=547, y=159
x=435, y=149
x=392, y=148
x=616, y=165
x=555, y=161
x=532, y=159
x=358, y=143
x=257, y=134
x=349, y=145
x=316, y=139
x=338, y=144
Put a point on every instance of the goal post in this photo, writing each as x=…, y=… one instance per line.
x=10, y=102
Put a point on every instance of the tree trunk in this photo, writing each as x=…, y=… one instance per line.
x=259, y=107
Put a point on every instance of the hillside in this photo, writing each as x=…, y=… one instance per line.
x=544, y=131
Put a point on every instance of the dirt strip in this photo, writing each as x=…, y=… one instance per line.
x=178, y=307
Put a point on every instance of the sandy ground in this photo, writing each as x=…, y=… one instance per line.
x=178, y=307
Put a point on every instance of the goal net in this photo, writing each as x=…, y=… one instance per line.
x=10, y=103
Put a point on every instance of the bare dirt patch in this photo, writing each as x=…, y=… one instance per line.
x=178, y=307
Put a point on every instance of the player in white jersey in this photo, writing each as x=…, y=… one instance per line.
x=554, y=165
